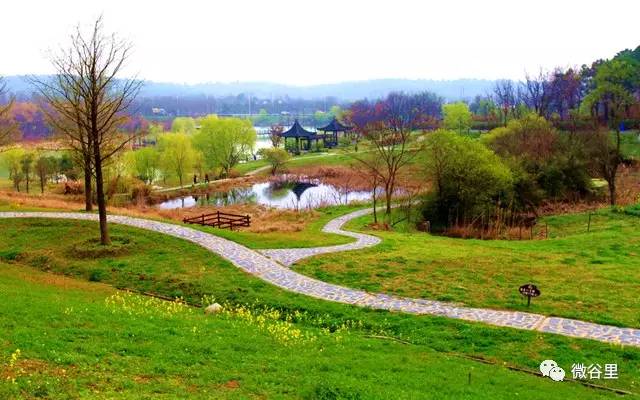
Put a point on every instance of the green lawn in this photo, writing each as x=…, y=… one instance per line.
x=310, y=236
x=140, y=348
x=249, y=166
x=592, y=275
x=80, y=340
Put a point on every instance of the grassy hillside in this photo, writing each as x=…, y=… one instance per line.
x=129, y=348
x=587, y=275
x=64, y=338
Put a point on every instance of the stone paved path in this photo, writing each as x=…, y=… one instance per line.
x=279, y=275
x=291, y=256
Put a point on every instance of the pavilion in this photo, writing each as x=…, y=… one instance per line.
x=298, y=132
x=333, y=127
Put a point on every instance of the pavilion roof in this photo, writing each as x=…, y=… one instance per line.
x=335, y=126
x=297, y=131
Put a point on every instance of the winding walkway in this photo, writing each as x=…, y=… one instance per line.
x=274, y=271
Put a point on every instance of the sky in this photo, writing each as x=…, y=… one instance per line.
x=307, y=42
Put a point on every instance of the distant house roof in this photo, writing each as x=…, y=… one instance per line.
x=335, y=126
x=297, y=131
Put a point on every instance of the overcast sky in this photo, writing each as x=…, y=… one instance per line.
x=321, y=41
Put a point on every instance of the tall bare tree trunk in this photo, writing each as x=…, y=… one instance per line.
x=102, y=204
x=388, y=193
x=612, y=192
x=88, y=193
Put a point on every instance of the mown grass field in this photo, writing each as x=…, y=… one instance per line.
x=74, y=343
x=592, y=275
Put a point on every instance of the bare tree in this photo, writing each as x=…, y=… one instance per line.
x=88, y=101
x=8, y=130
x=390, y=135
x=372, y=172
x=535, y=93
x=504, y=95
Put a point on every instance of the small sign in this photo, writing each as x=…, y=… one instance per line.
x=529, y=290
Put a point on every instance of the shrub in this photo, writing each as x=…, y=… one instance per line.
x=9, y=255
x=276, y=157
x=96, y=275
x=468, y=178
x=546, y=163
x=140, y=193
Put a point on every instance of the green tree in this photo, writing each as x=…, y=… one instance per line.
x=11, y=162
x=276, y=157
x=45, y=167
x=67, y=167
x=469, y=179
x=177, y=155
x=262, y=119
x=184, y=125
x=337, y=112
x=224, y=141
x=614, y=83
x=457, y=117
x=146, y=163
x=321, y=118
x=545, y=162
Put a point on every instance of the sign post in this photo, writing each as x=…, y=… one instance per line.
x=529, y=290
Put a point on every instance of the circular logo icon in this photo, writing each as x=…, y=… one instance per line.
x=546, y=366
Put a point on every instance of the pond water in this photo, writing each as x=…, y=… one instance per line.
x=280, y=194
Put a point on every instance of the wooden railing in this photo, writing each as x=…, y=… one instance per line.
x=220, y=220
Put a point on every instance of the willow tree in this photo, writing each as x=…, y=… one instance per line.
x=88, y=100
x=224, y=142
x=177, y=156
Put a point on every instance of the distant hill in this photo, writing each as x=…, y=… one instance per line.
x=344, y=91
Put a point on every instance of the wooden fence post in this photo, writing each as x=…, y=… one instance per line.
x=589, y=224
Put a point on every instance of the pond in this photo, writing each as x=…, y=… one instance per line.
x=299, y=194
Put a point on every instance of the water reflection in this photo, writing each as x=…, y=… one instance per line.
x=279, y=194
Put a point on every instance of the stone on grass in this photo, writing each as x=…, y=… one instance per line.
x=214, y=308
